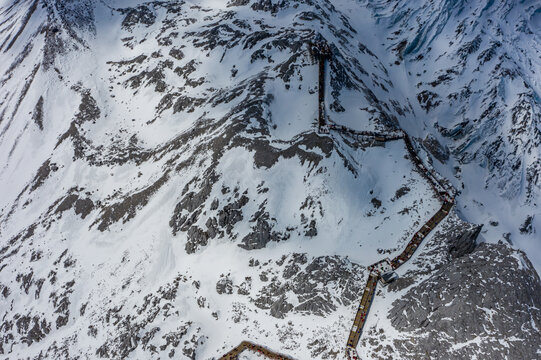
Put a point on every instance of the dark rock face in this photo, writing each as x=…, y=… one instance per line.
x=139, y=327
x=312, y=230
x=312, y=282
x=88, y=109
x=428, y=100
x=224, y=286
x=527, y=227
x=82, y=206
x=262, y=231
x=484, y=302
x=461, y=299
x=453, y=239
x=139, y=15
x=37, y=115
x=245, y=287
x=126, y=208
x=176, y=53
x=280, y=307
x=261, y=234
x=463, y=244
x=197, y=238
x=436, y=149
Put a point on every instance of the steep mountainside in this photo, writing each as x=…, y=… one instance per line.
x=474, y=69
x=166, y=193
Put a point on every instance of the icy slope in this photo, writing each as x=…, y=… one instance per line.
x=473, y=67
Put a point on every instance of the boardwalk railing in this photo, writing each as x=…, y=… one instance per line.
x=322, y=52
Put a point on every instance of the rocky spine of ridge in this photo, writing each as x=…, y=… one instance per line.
x=465, y=298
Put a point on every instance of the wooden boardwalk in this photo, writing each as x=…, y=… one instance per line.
x=322, y=52
x=258, y=349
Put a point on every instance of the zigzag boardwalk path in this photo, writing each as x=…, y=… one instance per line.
x=381, y=271
x=258, y=349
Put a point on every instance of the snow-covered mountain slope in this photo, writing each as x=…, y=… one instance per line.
x=165, y=192
x=474, y=69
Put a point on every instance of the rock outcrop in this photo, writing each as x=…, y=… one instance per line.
x=483, y=302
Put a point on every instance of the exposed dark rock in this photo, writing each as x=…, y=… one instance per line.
x=317, y=305
x=4, y=290
x=436, y=149
x=34, y=328
x=428, y=100
x=136, y=60
x=266, y=5
x=403, y=190
x=253, y=262
x=312, y=231
x=139, y=15
x=83, y=207
x=376, y=202
x=67, y=203
x=176, y=53
x=224, y=286
x=245, y=287
x=464, y=243
x=39, y=284
x=197, y=238
x=230, y=214
x=136, y=328
x=26, y=281
x=311, y=282
x=471, y=298
x=238, y=2
x=442, y=79
x=127, y=208
x=487, y=54
x=262, y=232
x=280, y=307
x=217, y=34
x=399, y=49
x=527, y=227
x=190, y=204
x=155, y=76
x=290, y=270
x=37, y=115
x=266, y=156
x=469, y=48
x=42, y=174
x=186, y=103
x=88, y=109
